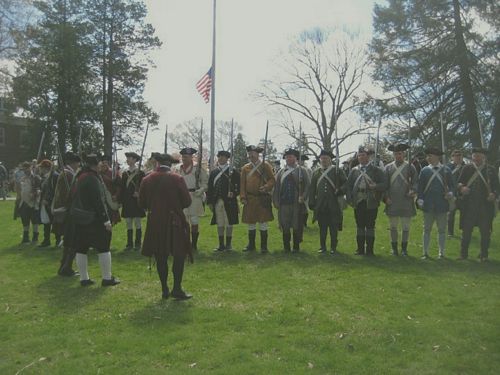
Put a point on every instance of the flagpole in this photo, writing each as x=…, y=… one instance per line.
x=212, y=108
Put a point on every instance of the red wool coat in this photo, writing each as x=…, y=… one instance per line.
x=164, y=195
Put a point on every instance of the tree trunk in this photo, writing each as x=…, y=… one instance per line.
x=465, y=81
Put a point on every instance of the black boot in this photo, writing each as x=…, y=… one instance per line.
x=286, y=241
x=228, y=243
x=404, y=249
x=162, y=269
x=178, y=270
x=361, y=245
x=323, y=231
x=35, y=237
x=263, y=241
x=46, y=236
x=26, y=237
x=130, y=239
x=296, y=242
x=194, y=240
x=370, y=241
x=394, y=246
x=138, y=239
x=251, y=240
x=221, y=244
x=66, y=268
x=58, y=239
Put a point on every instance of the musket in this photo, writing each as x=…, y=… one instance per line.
x=113, y=157
x=61, y=162
x=264, y=154
x=337, y=159
x=39, y=154
x=409, y=140
x=200, y=158
x=231, y=147
x=80, y=142
x=375, y=162
x=442, y=137
x=300, y=156
x=144, y=143
x=165, y=145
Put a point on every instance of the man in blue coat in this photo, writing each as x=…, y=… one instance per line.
x=436, y=188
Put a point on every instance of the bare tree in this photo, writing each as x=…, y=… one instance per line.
x=187, y=134
x=322, y=76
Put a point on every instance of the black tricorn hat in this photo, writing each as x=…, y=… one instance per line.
x=291, y=151
x=154, y=154
x=70, y=157
x=254, y=148
x=107, y=158
x=91, y=159
x=164, y=158
x=304, y=157
x=479, y=150
x=227, y=154
x=132, y=155
x=364, y=149
x=188, y=151
x=327, y=153
x=433, y=151
x=396, y=147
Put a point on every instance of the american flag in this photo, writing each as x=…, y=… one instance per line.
x=204, y=85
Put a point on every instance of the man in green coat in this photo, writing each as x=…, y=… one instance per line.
x=325, y=195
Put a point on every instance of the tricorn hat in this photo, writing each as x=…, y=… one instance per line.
x=188, y=151
x=304, y=157
x=70, y=157
x=396, y=147
x=132, y=155
x=433, y=151
x=227, y=154
x=164, y=158
x=291, y=151
x=327, y=153
x=254, y=148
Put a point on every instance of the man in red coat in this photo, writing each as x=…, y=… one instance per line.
x=164, y=194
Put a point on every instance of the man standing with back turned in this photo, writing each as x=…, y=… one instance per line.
x=164, y=195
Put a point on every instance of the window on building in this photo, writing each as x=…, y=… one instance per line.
x=2, y=136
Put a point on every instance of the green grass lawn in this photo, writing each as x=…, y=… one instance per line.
x=278, y=313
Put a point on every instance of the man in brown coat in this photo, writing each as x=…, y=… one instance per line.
x=256, y=183
x=164, y=195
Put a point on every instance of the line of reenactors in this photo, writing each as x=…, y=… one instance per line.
x=82, y=204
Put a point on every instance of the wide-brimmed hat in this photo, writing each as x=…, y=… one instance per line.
x=91, y=159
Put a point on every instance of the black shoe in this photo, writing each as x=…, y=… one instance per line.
x=359, y=252
x=44, y=244
x=219, y=249
x=181, y=295
x=87, y=282
x=333, y=252
x=322, y=251
x=165, y=294
x=110, y=282
x=249, y=248
x=67, y=272
x=35, y=237
x=264, y=251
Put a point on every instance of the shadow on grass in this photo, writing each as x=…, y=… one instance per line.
x=165, y=313
x=65, y=294
x=391, y=264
